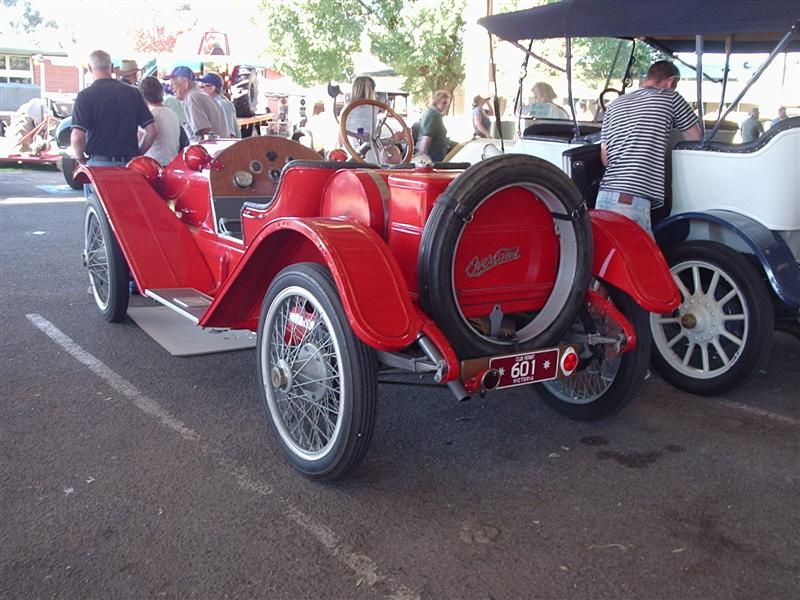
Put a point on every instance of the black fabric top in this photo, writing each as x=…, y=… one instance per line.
x=110, y=112
x=668, y=24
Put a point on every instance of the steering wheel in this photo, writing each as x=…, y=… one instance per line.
x=608, y=90
x=368, y=127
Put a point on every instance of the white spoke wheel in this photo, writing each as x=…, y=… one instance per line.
x=317, y=380
x=723, y=326
x=108, y=270
x=604, y=381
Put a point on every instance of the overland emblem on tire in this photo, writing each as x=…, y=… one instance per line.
x=478, y=266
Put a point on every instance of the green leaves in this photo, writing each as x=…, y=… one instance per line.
x=314, y=41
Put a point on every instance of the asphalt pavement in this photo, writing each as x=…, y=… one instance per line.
x=129, y=473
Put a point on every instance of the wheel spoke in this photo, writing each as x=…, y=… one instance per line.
x=681, y=286
x=721, y=352
x=688, y=356
x=712, y=286
x=681, y=334
x=662, y=320
x=726, y=298
x=731, y=337
x=698, y=286
x=704, y=356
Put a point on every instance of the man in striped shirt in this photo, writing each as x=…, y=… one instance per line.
x=636, y=130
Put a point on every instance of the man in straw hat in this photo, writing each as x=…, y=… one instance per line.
x=128, y=72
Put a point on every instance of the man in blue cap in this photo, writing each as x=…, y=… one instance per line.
x=211, y=83
x=203, y=116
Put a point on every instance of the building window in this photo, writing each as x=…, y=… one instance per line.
x=15, y=69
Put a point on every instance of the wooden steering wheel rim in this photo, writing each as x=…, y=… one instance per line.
x=608, y=90
x=368, y=102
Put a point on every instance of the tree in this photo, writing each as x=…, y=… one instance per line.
x=596, y=57
x=25, y=22
x=422, y=41
x=315, y=41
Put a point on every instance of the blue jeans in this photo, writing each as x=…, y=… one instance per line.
x=637, y=210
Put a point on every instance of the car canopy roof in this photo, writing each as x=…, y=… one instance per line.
x=756, y=25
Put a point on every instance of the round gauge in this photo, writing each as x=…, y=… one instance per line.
x=243, y=179
x=255, y=166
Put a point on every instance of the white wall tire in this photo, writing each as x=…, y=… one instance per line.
x=317, y=380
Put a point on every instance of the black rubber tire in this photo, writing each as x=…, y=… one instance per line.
x=113, y=303
x=20, y=126
x=755, y=329
x=443, y=231
x=356, y=376
x=68, y=165
x=627, y=377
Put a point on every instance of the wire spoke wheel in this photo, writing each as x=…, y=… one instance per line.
x=305, y=373
x=318, y=381
x=108, y=271
x=97, y=260
x=605, y=380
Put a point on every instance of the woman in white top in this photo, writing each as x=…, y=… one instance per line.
x=167, y=144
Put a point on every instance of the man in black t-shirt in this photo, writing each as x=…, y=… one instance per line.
x=107, y=116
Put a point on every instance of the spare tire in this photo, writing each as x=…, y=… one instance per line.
x=505, y=257
x=68, y=165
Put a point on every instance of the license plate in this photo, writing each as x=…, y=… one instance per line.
x=526, y=367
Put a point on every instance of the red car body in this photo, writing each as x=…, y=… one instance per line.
x=365, y=226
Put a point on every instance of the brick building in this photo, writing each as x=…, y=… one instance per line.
x=24, y=72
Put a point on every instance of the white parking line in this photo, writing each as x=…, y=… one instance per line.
x=363, y=567
x=763, y=413
x=15, y=200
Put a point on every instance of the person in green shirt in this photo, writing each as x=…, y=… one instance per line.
x=433, y=139
x=752, y=128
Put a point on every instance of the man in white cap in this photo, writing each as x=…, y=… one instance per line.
x=211, y=83
x=203, y=116
x=128, y=72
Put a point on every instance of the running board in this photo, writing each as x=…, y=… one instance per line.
x=187, y=302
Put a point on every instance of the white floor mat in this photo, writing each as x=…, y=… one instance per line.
x=180, y=337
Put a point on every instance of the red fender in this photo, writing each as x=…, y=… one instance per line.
x=160, y=250
x=628, y=258
x=369, y=281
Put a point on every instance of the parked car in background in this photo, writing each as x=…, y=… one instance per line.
x=731, y=228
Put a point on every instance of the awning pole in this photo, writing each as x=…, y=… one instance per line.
x=698, y=48
x=728, y=50
x=569, y=87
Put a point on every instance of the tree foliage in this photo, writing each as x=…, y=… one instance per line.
x=314, y=41
x=596, y=57
x=24, y=20
x=422, y=41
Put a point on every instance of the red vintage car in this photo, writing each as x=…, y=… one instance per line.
x=485, y=277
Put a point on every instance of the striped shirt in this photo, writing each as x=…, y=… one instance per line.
x=636, y=130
